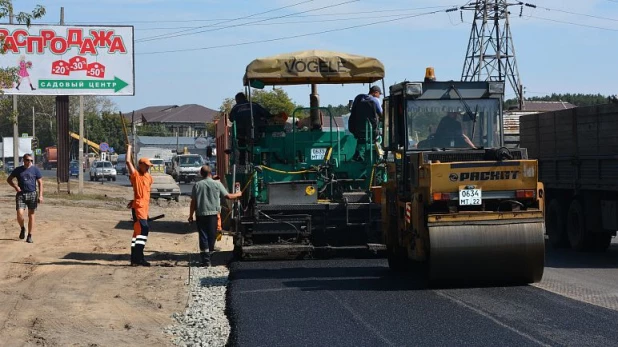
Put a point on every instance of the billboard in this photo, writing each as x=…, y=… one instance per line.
x=68, y=60
x=24, y=146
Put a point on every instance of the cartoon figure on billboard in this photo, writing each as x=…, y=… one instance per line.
x=23, y=71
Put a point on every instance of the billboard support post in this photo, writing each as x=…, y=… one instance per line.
x=62, y=129
x=15, y=117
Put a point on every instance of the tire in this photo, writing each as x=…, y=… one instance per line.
x=579, y=237
x=109, y=179
x=177, y=198
x=114, y=178
x=555, y=225
x=91, y=179
x=397, y=259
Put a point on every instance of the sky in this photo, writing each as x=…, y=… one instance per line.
x=561, y=46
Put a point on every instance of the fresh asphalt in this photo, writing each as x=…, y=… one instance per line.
x=360, y=302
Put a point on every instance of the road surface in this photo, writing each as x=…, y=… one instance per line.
x=361, y=303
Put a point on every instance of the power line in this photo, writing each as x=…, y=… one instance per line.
x=290, y=37
x=572, y=23
x=347, y=17
x=296, y=22
x=294, y=16
x=238, y=18
x=579, y=14
x=177, y=34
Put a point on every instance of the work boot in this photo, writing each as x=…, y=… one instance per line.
x=22, y=233
x=205, y=257
x=133, y=258
x=29, y=239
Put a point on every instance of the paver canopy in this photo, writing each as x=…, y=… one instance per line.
x=309, y=67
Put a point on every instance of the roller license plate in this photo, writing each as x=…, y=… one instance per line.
x=470, y=197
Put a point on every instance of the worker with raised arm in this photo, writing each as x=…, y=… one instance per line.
x=141, y=181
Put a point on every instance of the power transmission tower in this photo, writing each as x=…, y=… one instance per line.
x=491, y=52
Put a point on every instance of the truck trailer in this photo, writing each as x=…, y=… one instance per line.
x=577, y=150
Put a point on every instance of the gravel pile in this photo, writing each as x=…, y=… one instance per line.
x=204, y=323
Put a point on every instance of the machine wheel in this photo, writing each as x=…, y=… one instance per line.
x=555, y=226
x=579, y=238
x=397, y=259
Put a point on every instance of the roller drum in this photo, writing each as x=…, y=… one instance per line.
x=505, y=251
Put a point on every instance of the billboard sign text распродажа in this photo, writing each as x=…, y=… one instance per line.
x=68, y=60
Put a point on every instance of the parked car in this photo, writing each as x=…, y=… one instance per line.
x=9, y=166
x=121, y=167
x=165, y=187
x=74, y=168
x=102, y=170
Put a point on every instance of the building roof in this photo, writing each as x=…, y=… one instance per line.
x=190, y=113
x=165, y=141
x=546, y=106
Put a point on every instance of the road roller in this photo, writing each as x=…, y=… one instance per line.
x=456, y=201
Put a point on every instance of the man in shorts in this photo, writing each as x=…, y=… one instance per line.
x=28, y=177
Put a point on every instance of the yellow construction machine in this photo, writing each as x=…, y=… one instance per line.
x=456, y=200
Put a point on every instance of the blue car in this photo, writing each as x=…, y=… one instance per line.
x=74, y=169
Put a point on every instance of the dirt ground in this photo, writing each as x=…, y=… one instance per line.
x=73, y=285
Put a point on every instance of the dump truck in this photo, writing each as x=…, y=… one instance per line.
x=50, y=158
x=457, y=204
x=577, y=151
x=303, y=193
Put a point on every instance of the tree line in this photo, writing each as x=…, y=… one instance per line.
x=577, y=99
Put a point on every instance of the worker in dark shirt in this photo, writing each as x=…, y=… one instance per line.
x=241, y=114
x=450, y=133
x=366, y=108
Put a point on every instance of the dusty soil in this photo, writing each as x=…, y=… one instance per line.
x=73, y=285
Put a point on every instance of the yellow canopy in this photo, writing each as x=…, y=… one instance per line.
x=309, y=67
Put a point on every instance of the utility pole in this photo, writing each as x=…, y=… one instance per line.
x=491, y=52
x=81, y=146
x=15, y=116
x=33, y=134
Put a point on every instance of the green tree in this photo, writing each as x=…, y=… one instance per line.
x=275, y=101
x=578, y=99
x=153, y=129
x=338, y=111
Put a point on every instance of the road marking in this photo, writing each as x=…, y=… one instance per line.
x=359, y=318
x=486, y=315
